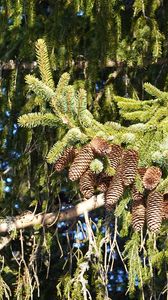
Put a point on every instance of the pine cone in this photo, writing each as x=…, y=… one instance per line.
x=152, y=178
x=114, y=191
x=138, y=214
x=100, y=146
x=103, y=182
x=81, y=163
x=115, y=156
x=87, y=183
x=154, y=210
x=129, y=166
x=67, y=157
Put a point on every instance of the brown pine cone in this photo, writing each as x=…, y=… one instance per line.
x=138, y=214
x=81, y=163
x=100, y=146
x=154, y=211
x=87, y=183
x=115, y=156
x=152, y=178
x=129, y=166
x=115, y=191
x=67, y=157
x=103, y=182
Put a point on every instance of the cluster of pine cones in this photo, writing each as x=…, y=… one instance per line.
x=147, y=205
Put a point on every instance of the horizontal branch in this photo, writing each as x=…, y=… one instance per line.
x=30, y=220
x=13, y=64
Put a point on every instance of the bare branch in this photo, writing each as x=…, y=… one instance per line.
x=30, y=220
x=12, y=64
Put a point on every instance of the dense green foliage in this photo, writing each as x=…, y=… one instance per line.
x=93, y=59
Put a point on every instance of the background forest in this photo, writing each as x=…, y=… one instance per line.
x=84, y=149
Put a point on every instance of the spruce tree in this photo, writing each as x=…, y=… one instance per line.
x=84, y=103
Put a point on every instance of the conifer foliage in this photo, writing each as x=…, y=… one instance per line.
x=149, y=208
x=111, y=158
x=70, y=110
x=69, y=104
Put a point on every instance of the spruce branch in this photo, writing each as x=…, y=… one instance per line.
x=35, y=119
x=47, y=94
x=152, y=112
x=71, y=100
x=43, y=63
x=73, y=136
x=39, y=88
x=130, y=106
x=152, y=90
x=123, y=99
x=56, y=100
x=87, y=120
x=131, y=253
x=140, y=115
x=159, y=115
x=136, y=104
x=82, y=101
